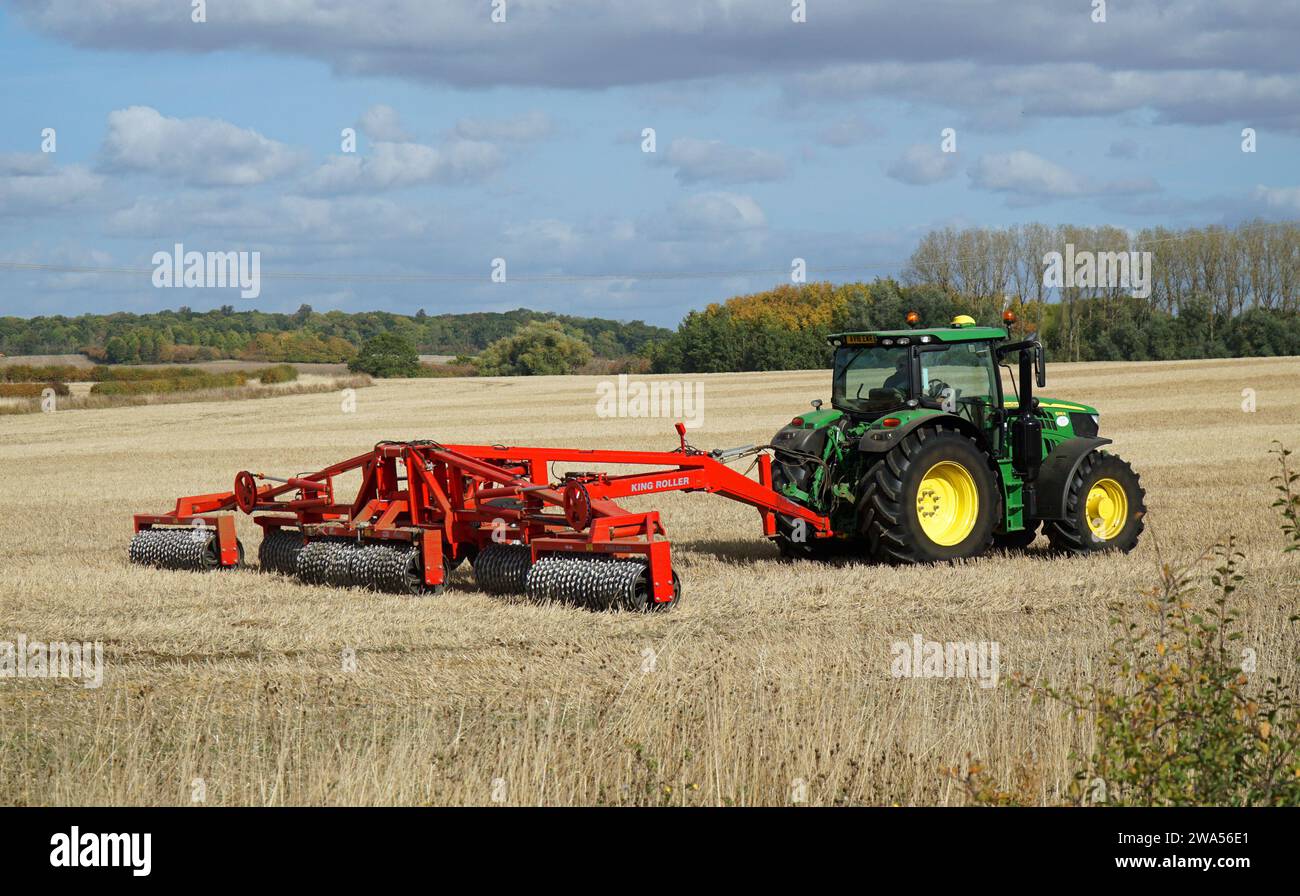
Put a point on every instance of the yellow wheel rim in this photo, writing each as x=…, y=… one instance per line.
x=947, y=503
x=1107, y=509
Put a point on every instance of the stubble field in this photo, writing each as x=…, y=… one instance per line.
x=771, y=681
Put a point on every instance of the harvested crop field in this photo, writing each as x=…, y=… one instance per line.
x=771, y=681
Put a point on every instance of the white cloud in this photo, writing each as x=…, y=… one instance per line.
x=923, y=163
x=548, y=233
x=203, y=151
x=849, y=130
x=381, y=122
x=31, y=183
x=34, y=291
x=1029, y=179
x=718, y=213
x=1279, y=198
x=998, y=95
x=715, y=161
x=1025, y=173
x=298, y=218
x=391, y=165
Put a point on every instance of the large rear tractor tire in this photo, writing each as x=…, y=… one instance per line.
x=1105, y=508
x=932, y=498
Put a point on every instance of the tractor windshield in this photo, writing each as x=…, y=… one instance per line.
x=870, y=379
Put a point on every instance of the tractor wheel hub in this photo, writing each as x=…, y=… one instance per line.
x=1106, y=509
x=947, y=503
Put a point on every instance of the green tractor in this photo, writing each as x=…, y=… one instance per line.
x=921, y=458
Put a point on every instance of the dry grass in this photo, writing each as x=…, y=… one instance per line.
x=225, y=365
x=82, y=398
x=766, y=674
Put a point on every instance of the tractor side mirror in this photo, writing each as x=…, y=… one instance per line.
x=1037, y=359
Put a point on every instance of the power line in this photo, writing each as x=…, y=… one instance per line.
x=354, y=277
x=453, y=278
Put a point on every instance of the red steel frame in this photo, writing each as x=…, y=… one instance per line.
x=437, y=496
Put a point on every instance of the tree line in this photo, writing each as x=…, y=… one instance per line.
x=1212, y=292
x=185, y=335
x=1215, y=274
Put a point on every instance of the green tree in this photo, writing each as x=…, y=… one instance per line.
x=386, y=355
x=117, y=350
x=538, y=348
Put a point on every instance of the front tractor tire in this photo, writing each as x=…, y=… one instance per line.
x=932, y=498
x=1105, y=508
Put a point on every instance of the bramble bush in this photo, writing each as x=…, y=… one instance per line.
x=279, y=373
x=1180, y=721
x=164, y=385
x=1288, y=500
x=42, y=373
x=31, y=390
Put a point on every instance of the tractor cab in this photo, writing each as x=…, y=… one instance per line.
x=951, y=369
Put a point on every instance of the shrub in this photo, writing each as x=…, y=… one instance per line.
x=280, y=373
x=30, y=390
x=47, y=373
x=437, y=371
x=158, y=386
x=1180, y=722
x=632, y=365
x=387, y=355
x=538, y=348
x=101, y=373
x=1287, y=485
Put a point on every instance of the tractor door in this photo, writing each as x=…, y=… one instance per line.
x=961, y=378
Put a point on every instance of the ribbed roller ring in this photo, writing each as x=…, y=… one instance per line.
x=597, y=583
x=503, y=568
x=187, y=548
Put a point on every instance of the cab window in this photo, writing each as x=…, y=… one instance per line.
x=966, y=368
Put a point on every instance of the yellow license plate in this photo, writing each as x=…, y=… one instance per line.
x=860, y=340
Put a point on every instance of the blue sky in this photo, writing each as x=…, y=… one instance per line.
x=775, y=140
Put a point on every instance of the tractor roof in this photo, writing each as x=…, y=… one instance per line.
x=965, y=333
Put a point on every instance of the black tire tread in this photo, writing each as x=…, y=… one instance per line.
x=1072, y=535
x=880, y=510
